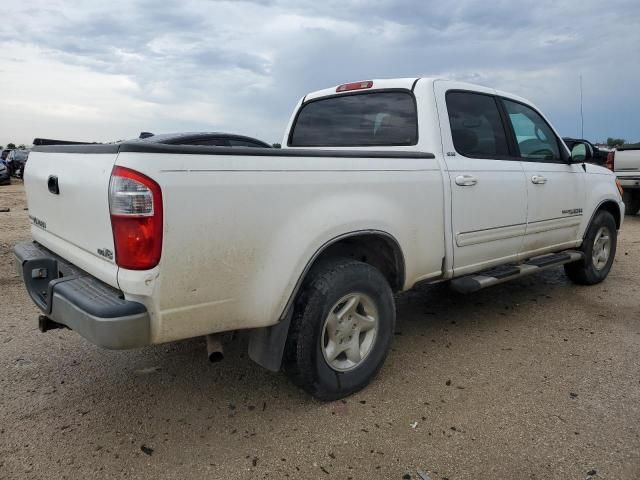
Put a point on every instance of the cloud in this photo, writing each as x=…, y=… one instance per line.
x=102, y=71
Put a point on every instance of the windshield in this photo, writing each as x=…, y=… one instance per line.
x=357, y=120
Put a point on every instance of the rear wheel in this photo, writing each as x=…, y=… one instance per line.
x=631, y=202
x=599, y=248
x=341, y=330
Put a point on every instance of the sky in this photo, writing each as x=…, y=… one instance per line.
x=103, y=71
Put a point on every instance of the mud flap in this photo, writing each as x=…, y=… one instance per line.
x=266, y=345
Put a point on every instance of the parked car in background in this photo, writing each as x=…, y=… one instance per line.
x=598, y=155
x=211, y=139
x=625, y=163
x=16, y=160
x=5, y=178
x=5, y=153
x=207, y=139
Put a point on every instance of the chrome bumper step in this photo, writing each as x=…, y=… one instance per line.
x=494, y=276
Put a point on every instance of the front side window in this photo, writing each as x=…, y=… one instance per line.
x=360, y=120
x=476, y=127
x=536, y=140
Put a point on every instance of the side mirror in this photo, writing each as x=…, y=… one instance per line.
x=581, y=152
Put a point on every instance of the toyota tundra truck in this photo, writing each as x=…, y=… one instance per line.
x=379, y=185
x=625, y=163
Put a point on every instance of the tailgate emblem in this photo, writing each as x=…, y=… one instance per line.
x=52, y=184
x=106, y=253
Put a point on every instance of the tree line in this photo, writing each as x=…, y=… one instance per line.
x=618, y=142
x=12, y=146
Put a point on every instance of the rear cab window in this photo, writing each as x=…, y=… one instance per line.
x=374, y=118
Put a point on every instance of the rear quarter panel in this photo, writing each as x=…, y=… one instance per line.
x=239, y=230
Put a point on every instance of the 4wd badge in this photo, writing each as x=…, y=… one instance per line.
x=106, y=253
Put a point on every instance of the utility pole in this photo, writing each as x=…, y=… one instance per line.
x=581, y=112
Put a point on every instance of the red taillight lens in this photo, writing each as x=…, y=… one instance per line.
x=354, y=86
x=610, y=163
x=135, y=203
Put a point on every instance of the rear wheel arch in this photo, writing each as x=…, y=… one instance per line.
x=373, y=247
x=376, y=248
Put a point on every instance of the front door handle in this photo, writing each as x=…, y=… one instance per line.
x=466, y=180
x=538, y=179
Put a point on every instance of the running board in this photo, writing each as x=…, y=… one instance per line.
x=494, y=276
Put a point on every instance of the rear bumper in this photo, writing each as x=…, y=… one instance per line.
x=629, y=182
x=72, y=297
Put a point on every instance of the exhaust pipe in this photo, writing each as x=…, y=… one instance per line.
x=215, y=352
x=45, y=324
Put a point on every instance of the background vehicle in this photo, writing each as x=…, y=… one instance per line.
x=204, y=138
x=217, y=139
x=140, y=243
x=5, y=177
x=16, y=161
x=599, y=156
x=5, y=153
x=625, y=163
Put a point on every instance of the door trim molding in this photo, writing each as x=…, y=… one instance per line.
x=464, y=239
x=557, y=223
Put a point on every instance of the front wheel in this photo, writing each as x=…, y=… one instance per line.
x=599, y=248
x=341, y=330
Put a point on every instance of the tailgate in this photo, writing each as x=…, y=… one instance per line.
x=67, y=191
x=627, y=161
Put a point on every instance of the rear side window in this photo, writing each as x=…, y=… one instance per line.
x=536, y=140
x=476, y=126
x=359, y=120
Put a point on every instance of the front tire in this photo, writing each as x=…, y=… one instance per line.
x=341, y=330
x=631, y=202
x=599, y=248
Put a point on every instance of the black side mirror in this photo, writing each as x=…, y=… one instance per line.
x=581, y=152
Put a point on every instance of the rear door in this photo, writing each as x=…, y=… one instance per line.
x=556, y=189
x=488, y=190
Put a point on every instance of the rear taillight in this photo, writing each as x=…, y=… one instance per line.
x=610, y=163
x=135, y=203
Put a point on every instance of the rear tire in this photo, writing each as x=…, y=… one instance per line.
x=631, y=202
x=599, y=248
x=346, y=306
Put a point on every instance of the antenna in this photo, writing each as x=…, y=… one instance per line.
x=581, y=112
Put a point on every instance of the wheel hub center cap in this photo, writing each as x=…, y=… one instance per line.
x=349, y=331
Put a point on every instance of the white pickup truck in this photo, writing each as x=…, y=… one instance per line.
x=625, y=163
x=379, y=185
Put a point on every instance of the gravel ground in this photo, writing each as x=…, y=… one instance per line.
x=533, y=379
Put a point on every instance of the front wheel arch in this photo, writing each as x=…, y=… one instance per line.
x=610, y=206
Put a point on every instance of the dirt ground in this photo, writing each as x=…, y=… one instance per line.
x=535, y=379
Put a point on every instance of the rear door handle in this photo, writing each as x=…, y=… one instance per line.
x=466, y=180
x=538, y=179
